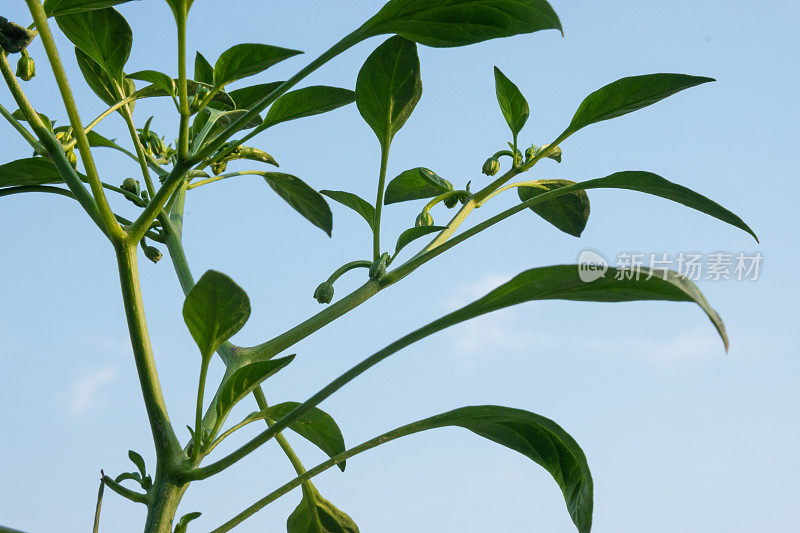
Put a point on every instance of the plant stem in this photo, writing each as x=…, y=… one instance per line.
x=97, y=508
x=183, y=92
x=376, y=230
x=131, y=495
x=166, y=443
x=113, y=228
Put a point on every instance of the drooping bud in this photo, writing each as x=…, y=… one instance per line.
x=324, y=293
x=451, y=201
x=152, y=253
x=491, y=166
x=378, y=269
x=132, y=186
x=219, y=168
x=26, y=68
x=531, y=152
x=424, y=219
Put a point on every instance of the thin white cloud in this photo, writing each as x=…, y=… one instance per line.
x=84, y=390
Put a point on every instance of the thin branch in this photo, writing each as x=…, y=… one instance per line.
x=132, y=495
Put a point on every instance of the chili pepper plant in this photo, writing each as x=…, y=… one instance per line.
x=220, y=106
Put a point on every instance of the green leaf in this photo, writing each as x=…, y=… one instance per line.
x=330, y=518
x=627, y=95
x=248, y=97
x=307, y=102
x=97, y=140
x=13, y=37
x=389, y=87
x=537, y=438
x=159, y=79
x=66, y=7
x=135, y=476
x=245, y=60
x=317, y=426
x=302, y=198
x=512, y=103
x=30, y=171
x=569, y=212
x=649, y=183
x=98, y=80
x=562, y=282
x=103, y=34
x=354, y=202
x=242, y=382
x=221, y=98
x=183, y=523
x=412, y=234
x=214, y=310
x=203, y=71
x=444, y=23
x=138, y=461
x=416, y=184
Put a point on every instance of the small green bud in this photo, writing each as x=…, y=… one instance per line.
x=491, y=166
x=324, y=293
x=451, y=201
x=201, y=94
x=132, y=186
x=26, y=68
x=156, y=146
x=531, y=152
x=219, y=168
x=378, y=269
x=424, y=219
x=152, y=253
x=72, y=158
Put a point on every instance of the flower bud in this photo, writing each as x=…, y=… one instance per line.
x=26, y=68
x=72, y=158
x=491, y=166
x=451, y=201
x=324, y=293
x=201, y=94
x=378, y=269
x=132, y=186
x=424, y=219
x=219, y=168
x=152, y=253
x=531, y=152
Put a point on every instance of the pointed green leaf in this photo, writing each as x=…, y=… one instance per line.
x=29, y=171
x=354, y=202
x=214, y=310
x=331, y=519
x=563, y=282
x=569, y=212
x=97, y=140
x=444, y=23
x=307, y=102
x=317, y=426
x=248, y=97
x=649, y=183
x=138, y=461
x=159, y=79
x=512, y=103
x=65, y=7
x=536, y=437
x=389, y=87
x=302, y=198
x=183, y=523
x=245, y=60
x=242, y=382
x=96, y=78
x=627, y=95
x=135, y=476
x=103, y=34
x=416, y=184
x=203, y=71
x=412, y=234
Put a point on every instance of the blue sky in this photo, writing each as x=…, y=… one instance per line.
x=679, y=436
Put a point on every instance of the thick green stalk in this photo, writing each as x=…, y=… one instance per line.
x=113, y=228
x=166, y=443
x=183, y=92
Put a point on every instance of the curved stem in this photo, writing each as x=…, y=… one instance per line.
x=132, y=495
x=348, y=267
x=115, y=231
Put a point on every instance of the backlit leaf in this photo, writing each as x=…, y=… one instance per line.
x=569, y=212
x=354, y=202
x=302, y=198
x=416, y=184
x=103, y=34
x=245, y=60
